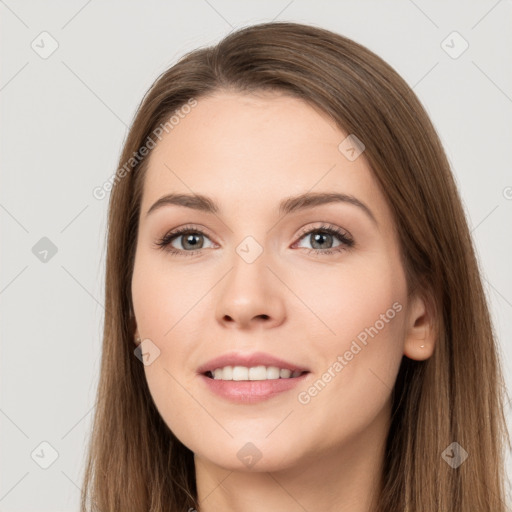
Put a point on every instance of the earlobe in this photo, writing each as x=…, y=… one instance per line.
x=419, y=342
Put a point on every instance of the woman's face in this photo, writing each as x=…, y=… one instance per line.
x=259, y=273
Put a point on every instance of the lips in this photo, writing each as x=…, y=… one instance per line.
x=252, y=392
x=249, y=360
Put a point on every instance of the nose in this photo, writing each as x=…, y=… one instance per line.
x=250, y=296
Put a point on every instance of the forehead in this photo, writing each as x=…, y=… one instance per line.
x=248, y=149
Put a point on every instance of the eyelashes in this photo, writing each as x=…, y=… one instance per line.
x=326, y=232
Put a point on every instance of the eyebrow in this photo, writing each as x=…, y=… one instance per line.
x=286, y=206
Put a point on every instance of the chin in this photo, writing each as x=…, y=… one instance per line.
x=250, y=456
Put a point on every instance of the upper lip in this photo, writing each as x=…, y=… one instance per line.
x=249, y=360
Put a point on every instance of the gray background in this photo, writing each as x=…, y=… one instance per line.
x=64, y=118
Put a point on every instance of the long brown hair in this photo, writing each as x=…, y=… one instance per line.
x=135, y=463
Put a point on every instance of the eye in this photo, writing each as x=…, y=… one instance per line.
x=323, y=237
x=190, y=239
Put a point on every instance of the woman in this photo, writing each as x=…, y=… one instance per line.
x=244, y=370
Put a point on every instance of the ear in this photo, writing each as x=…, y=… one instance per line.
x=420, y=335
x=135, y=331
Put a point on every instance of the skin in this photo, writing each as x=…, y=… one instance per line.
x=248, y=152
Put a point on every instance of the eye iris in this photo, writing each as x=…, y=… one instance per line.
x=192, y=245
x=318, y=237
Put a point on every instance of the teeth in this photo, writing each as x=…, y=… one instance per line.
x=253, y=373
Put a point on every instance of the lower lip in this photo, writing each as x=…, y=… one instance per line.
x=254, y=391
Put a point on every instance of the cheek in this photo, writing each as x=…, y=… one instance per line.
x=161, y=298
x=164, y=309
x=362, y=308
x=344, y=300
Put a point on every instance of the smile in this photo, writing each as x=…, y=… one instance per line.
x=244, y=373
